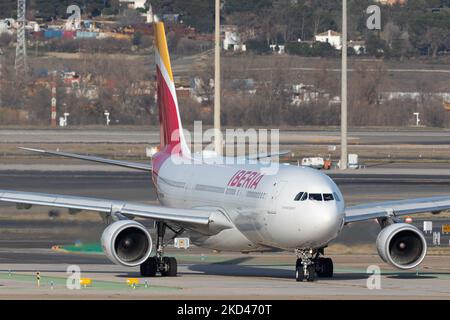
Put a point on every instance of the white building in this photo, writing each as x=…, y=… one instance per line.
x=134, y=4
x=6, y=26
x=231, y=38
x=358, y=46
x=278, y=48
x=331, y=37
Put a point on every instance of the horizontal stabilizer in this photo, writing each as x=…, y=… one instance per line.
x=260, y=156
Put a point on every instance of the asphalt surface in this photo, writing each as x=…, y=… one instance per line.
x=253, y=277
x=421, y=136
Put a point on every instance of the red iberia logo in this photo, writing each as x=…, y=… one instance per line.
x=245, y=179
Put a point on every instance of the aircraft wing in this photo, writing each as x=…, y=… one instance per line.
x=120, y=163
x=211, y=220
x=396, y=208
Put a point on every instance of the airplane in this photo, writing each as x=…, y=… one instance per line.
x=233, y=207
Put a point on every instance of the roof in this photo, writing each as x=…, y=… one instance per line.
x=331, y=32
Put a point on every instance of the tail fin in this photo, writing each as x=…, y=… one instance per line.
x=171, y=130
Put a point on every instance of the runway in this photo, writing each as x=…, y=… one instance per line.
x=150, y=135
x=229, y=277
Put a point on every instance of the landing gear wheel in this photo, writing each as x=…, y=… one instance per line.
x=299, y=275
x=149, y=267
x=170, y=267
x=324, y=268
x=305, y=267
x=311, y=273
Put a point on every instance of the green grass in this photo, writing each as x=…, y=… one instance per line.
x=59, y=282
x=83, y=248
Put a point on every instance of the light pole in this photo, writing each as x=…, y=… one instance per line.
x=1, y=75
x=217, y=125
x=417, y=114
x=344, y=156
x=107, y=114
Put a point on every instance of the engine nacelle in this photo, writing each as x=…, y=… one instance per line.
x=127, y=242
x=401, y=245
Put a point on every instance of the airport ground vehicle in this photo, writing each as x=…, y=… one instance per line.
x=313, y=162
x=235, y=207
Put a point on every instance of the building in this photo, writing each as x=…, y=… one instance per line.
x=358, y=46
x=334, y=39
x=278, y=48
x=6, y=26
x=331, y=37
x=231, y=38
x=391, y=2
x=134, y=4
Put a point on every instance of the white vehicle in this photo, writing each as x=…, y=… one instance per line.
x=234, y=207
x=353, y=161
x=316, y=163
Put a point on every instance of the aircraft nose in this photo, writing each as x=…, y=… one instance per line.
x=329, y=223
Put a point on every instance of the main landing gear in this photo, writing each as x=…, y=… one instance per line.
x=309, y=265
x=167, y=266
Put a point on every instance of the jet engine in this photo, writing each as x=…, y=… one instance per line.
x=401, y=245
x=127, y=242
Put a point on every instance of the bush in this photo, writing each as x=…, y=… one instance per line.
x=317, y=49
x=258, y=46
x=298, y=48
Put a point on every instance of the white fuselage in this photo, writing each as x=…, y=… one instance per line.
x=263, y=209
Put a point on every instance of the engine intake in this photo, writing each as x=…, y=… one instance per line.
x=401, y=245
x=127, y=243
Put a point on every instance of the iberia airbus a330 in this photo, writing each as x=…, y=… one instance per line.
x=234, y=207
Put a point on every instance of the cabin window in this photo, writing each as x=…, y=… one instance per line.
x=328, y=197
x=302, y=196
x=315, y=196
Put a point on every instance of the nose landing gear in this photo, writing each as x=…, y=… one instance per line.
x=309, y=264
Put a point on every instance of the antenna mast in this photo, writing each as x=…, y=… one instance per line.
x=21, y=47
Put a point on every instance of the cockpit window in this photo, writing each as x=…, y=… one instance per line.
x=302, y=196
x=315, y=196
x=336, y=196
x=328, y=197
x=298, y=196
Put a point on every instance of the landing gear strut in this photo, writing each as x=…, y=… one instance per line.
x=309, y=264
x=167, y=266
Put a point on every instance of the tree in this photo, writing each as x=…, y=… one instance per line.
x=375, y=46
x=436, y=38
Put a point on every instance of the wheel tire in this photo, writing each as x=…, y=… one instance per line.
x=299, y=276
x=328, y=268
x=324, y=268
x=171, y=267
x=311, y=273
x=320, y=267
x=149, y=267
